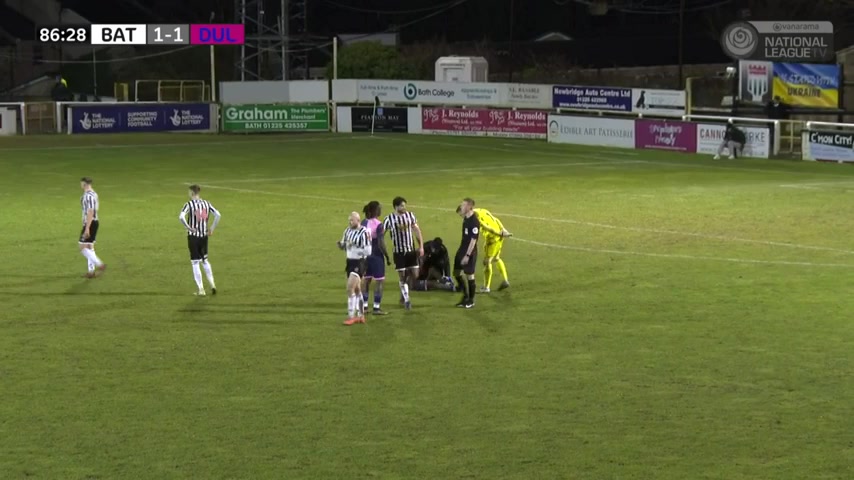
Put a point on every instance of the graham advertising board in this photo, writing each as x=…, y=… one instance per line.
x=275, y=118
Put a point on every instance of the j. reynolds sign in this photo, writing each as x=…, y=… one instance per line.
x=808, y=42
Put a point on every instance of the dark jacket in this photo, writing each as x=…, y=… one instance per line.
x=735, y=134
x=777, y=111
x=61, y=93
x=436, y=256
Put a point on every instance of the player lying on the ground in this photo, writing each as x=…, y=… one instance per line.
x=493, y=233
x=435, y=271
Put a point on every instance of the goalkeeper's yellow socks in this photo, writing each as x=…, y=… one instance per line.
x=487, y=275
x=501, y=268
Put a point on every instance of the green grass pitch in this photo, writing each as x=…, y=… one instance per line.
x=671, y=316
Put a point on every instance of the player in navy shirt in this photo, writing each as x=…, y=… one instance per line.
x=466, y=257
x=378, y=259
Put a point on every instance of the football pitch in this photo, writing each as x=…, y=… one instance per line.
x=670, y=316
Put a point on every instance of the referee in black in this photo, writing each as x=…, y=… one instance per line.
x=466, y=258
x=195, y=216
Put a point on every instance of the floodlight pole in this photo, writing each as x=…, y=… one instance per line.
x=681, y=40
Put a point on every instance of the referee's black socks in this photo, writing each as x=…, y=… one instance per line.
x=472, y=288
x=461, y=284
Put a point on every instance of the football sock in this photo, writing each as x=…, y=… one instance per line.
x=501, y=268
x=352, y=304
x=91, y=266
x=197, y=275
x=462, y=286
x=487, y=275
x=404, y=290
x=365, y=296
x=472, y=287
x=89, y=253
x=209, y=273
x=378, y=296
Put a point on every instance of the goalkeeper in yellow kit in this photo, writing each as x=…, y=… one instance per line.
x=493, y=233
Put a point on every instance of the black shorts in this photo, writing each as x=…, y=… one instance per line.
x=355, y=267
x=405, y=261
x=470, y=267
x=198, y=247
x=93, y=233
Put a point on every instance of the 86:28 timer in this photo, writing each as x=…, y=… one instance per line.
x=63, y=34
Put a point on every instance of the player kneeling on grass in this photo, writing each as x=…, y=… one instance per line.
x=493, y=233
x=356, y=242
x=466, y=258
x=435, y=271
x=734, y=140
x=375, y=272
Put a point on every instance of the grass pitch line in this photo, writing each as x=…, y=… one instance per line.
x=599, y=225
x=435, y=170
x=609, y=154
x=844, y=184
x=101, y=146
x=683, y=256
x=707, y=236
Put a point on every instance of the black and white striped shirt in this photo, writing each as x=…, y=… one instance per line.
x=357, y=242
x=400, y=227
x=195, y=215
x=89, y=201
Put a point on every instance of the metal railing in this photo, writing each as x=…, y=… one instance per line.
x=171, y=91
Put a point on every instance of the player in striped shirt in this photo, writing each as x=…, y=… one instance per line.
x=401, y=224
x=356, y=242
x=89, y=204
x=195, y=217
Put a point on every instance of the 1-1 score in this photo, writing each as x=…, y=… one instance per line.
x=177, y=37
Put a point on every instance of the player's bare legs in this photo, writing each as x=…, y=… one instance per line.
x=354, y=300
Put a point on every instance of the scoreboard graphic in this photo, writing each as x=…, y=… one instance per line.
x=142, y=34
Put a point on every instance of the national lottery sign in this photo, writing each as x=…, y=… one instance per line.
x=148, y=117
